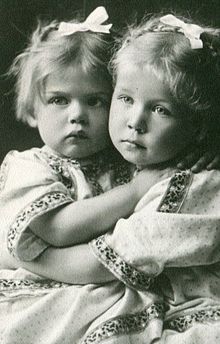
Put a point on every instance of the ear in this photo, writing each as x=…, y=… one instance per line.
x=32, y=121
x=31, y=118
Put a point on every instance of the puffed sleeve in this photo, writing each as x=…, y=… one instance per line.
x=179, y=228
x=28, y=188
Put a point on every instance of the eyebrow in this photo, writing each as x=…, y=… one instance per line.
x=84, y=95
x=122, y=90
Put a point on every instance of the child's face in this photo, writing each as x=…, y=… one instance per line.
x=73, y=117
x=145, y=124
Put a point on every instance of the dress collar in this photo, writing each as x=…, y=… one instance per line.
x=100, y=159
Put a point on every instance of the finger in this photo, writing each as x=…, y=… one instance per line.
x=214, y=164
x=189, y=160
x=203, y=162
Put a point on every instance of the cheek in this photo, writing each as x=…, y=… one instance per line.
x=47, y=133
x=100, y=126
x=116, y=120
x=114, y=128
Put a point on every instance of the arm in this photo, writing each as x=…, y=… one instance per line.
x=162, y=241
x=81, y=221
x=74, y=265
x=151, y=240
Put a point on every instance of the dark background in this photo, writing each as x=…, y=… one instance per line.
x=18, y=18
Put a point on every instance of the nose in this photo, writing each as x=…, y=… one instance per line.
x=138, y=120
x=77, y=113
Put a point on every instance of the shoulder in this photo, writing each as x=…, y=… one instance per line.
x=192, y=193
x=187, y=192
x=204, y=193
x=26, y=162
x=25, y=168
x=33, y=154
x=207, y=178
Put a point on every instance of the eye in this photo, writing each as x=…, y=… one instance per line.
x=96, y=101
x=161, y=111
x=59, y=100
x=126, y=99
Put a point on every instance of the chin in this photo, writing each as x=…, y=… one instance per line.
x=133, y=160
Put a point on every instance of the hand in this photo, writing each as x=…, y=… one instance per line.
x=146, y=178
x=199, y=161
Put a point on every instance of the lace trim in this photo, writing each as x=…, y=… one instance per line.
x=123, y=174
x=59, y=166
x=125, y=324
x=123, y=271
x=182, y=323
x=176, y=192
x=92, y=170
x=40, y=206
x=12, y=284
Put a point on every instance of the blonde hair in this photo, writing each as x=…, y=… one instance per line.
x=48, y=52
x=192, y=75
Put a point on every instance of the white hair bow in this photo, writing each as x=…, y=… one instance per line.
x=92, y=23
x=190, y=31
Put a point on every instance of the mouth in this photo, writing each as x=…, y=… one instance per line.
x=132, y=144
x=77, y=135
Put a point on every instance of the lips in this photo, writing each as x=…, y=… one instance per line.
x=134, y=143
x=77, y=135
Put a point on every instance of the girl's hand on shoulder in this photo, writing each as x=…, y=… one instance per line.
x=198, y=161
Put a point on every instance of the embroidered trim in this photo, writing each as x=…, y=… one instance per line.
x=122, y=173
x=58, y=166
x=182, y=323
x=176, y=192
x=42, y=205
x=122, y=270
x=91, y=171
x=14, y=284
x=125, y=324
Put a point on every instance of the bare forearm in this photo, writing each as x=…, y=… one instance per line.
x=74, y=265
x=81, y=221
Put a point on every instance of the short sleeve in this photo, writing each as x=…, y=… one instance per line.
x=28, y=188
x=179, y=228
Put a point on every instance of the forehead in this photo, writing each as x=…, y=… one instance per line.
x=73, y=78
x=141, y=78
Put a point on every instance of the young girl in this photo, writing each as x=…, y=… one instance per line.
x=150, y=131
x=64, y=89
x=166, y=98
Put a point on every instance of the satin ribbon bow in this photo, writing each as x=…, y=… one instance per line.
x=92, y=23
x=190, y=31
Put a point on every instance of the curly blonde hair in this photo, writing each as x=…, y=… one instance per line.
x=192, y=75
x=47, y=52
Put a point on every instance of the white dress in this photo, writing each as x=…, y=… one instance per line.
x=35, y=310
x=165, y=258
x=175, y=240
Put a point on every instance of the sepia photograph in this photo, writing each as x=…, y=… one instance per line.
x=109, y=172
